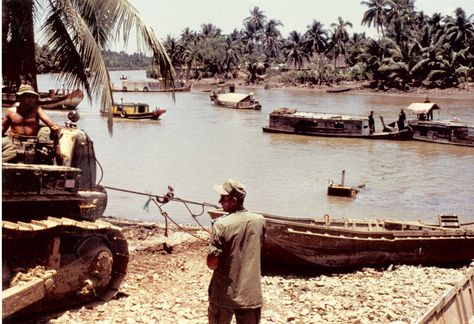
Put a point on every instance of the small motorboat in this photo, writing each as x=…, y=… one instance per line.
x=226, y=96
x=136, y=111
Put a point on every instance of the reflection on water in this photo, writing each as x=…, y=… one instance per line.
x=197, y=145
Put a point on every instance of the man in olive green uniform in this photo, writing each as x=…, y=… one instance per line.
x=234, y=255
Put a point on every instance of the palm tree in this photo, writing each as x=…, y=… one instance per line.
x=250, y=38
x=77, y=32
x=376, y=14
x=379, y=53
x=339, y=38
x=459, y=31
x=257, y=18
x=232, y=53
x=316, y=37
x=253, y=26
x=174, y=49
x=187, y=36
x=272, y=38
x=294, y=49
x=209, y=30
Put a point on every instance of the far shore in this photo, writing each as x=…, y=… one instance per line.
x=360, y=88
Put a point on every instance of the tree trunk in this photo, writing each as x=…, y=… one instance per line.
x=18, y=50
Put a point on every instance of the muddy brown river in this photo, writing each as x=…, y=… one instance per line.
x=196, y=145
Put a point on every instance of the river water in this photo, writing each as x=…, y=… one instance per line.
x=196, y=145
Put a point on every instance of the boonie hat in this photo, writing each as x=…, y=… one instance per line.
x=26, y=88
x=231, y=186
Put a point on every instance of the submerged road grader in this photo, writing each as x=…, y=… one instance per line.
x=55, y=251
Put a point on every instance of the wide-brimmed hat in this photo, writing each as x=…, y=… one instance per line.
x=231, y=187
x=26, y=89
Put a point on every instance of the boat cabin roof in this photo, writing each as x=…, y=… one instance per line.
x=422, y=107
x=325, y=116
x=130, y=104
x=233, y=97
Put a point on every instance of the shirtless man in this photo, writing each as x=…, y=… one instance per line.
x=23, y=118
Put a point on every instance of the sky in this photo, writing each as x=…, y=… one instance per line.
x=170, y=17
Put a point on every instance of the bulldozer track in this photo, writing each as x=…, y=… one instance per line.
x=79, y=231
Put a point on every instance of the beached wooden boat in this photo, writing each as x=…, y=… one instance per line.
x=151, y=86
x=136, y=111
x=292, y=121
x=426, y=129
x=355, y=243
x=230, y=99
x=50, y=100
x=338, y=90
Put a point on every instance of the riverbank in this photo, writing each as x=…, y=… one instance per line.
x=360, y=88
x=167, y=282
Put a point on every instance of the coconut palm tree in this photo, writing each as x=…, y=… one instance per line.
x=76, y=32
x=316, y=37
x=174, y=49
x=376, y=14
x=294, y=50
x=209, y=30
x=233, y=53
x=459, y=31
x=256, y=19
x=272, y=38
x=339, y=38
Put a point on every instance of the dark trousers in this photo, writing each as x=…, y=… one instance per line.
x=221, y=315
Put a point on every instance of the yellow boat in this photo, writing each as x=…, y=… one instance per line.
x=136, y=111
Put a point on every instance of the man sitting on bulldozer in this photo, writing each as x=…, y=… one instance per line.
x=23, y=120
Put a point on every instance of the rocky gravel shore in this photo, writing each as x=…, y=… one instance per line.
x=167, y=282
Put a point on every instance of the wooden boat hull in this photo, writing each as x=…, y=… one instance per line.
x=350, y=243
x=338, y=90
x=383, y=135
x=254, y=106
x=326, y=247
x=50, y=100
x=152, y=88
x=443, y=132
x=151, y=116
x=292, y=121
x=136, y=111
x=235, y=100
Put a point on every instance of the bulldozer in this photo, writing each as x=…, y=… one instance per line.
x=56, y=252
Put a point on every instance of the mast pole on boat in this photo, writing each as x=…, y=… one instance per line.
x=342, y=177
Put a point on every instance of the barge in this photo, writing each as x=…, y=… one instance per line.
x=292, y=121
x=426, y=129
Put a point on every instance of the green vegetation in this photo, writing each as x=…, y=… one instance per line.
x=77, y=33
x=412, y=50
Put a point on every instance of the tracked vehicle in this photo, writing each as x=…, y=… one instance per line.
x=55, y=251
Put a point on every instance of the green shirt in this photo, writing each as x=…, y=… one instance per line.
x=237, y=240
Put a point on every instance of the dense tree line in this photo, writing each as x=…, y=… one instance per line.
x=412, y=49
x=113, y=60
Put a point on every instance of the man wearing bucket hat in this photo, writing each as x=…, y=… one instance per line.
x=23, y=119
x=234, y=255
